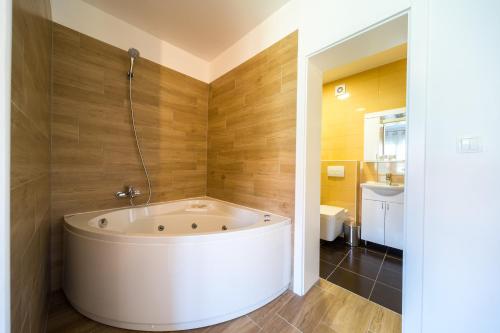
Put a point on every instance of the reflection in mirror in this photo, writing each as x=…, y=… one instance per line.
x=385, y=136
x=394, y=138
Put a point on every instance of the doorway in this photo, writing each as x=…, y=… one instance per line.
x=382, y=36
x=363, y=154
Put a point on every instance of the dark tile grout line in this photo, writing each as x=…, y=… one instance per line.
x=366, y=277
x=382, y=265
x=374, y=281
x=337, y=266
x=352, y=292
x=394, y=257
x=378, y=273
x=370, y=250
x=343, y=258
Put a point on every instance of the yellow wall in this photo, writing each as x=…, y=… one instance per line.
x=377, y=89
x=340, y=192
x=342, y=133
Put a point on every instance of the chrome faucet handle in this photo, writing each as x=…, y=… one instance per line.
x=388, y=178
x=120, y=195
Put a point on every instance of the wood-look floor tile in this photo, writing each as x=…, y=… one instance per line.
x=238, y=325
x=348, y=312
x=327, y=308
x=386, y=321
x=305, y=312
x=264, y=314
x=277, y=324
x=323, y=328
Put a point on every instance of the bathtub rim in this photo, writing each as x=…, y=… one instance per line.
x=82, y=228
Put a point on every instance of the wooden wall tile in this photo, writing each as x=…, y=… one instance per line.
x=93, y=148
x=251, y=131
x=236, y=136
x=30, y=164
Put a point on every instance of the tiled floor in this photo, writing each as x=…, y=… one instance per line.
x=373, y=271
x=326, y=308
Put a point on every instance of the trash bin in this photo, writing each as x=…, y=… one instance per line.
x=351, y=233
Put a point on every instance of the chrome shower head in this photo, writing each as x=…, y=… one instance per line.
x=134, y=54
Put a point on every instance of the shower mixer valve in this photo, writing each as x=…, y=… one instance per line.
x=130, y=192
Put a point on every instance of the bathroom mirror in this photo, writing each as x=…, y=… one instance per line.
x=385, y=136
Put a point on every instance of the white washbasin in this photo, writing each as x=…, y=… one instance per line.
x=383, y=187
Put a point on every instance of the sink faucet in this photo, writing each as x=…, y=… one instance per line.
x=130, y=192
x=388, y=178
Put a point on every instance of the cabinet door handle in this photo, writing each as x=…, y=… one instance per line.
x=382, y=206
x=387, y=206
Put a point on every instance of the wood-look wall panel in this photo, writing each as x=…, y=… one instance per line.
x=30, y=164
x=94, y=152
x=251, y=131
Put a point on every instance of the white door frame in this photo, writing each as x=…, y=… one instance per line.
x=307, y=188
x=5, y=68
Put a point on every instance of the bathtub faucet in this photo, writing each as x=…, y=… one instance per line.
x=130, y=192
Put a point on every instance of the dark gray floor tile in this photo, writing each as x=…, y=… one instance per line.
x=393, y=264
x=367, y=255
x=395, y=253
x=382, y=249
x=333, y=252
x=325, y=269
x=362, y=266
x=388, y=297
x=351, y=281
x=391, y=278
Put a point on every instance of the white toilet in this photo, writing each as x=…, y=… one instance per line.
x=332, y=219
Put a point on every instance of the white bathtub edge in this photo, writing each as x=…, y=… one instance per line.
x=179, y=326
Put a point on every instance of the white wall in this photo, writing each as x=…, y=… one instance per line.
x=368, y=43
x=462, y=215
x=322, y=23
x=82, y=17
x=452, y=221
x=5, y=69
x=307, y=181
x=277, y=26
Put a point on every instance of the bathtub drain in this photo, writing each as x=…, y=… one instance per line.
x=103, y=223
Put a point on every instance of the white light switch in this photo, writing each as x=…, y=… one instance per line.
x=470, y=144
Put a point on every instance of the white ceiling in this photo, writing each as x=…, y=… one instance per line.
x=204, y=28
x=379, y=59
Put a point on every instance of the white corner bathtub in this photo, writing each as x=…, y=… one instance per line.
x=176, y=265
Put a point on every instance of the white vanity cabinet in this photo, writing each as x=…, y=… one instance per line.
x=394, y=225
x=382, y=214
x=373, y=221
